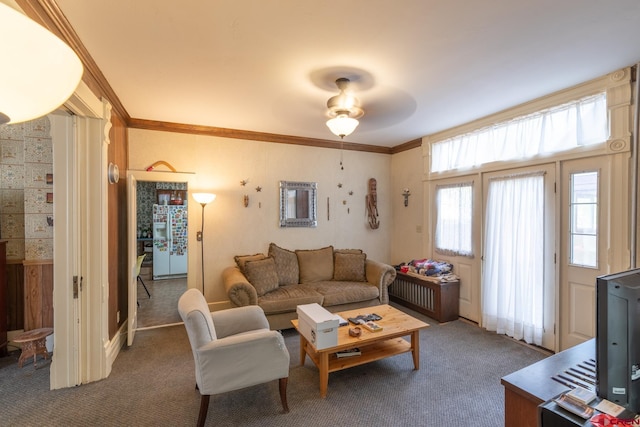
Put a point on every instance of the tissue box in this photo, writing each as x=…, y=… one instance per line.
x=318, y=325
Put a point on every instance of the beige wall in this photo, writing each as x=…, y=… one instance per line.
x=409, y=230
x=220, y=164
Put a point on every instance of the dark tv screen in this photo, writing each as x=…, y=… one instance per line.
x=618, y=338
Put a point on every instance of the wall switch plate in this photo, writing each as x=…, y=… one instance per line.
x=199, y=236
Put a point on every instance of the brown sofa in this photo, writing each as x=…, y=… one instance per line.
x=278, y=282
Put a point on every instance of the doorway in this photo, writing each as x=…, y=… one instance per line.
x=519, y=276
x=161, y=236
x=133, y=178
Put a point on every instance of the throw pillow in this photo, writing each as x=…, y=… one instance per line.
x=242, y=259
x=350, y=267
x=315, y=265
x=262, y=275
x=348, y=251
x=286, y=265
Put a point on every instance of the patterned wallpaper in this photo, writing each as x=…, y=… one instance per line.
x=146, y=197
x=26, y=189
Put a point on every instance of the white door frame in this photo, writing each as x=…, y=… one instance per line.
x=133, y=177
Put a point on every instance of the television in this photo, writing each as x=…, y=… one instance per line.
x=618, y=338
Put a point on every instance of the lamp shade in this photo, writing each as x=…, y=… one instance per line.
x=39, y=71
x=204, y=198
x=342, y=125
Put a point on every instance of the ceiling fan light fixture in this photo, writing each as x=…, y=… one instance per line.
x=344, y=110
x=342, y=125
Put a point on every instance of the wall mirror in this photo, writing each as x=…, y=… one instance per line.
x=298, y=204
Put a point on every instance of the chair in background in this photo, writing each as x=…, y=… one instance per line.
x=138, y=267
x=232, y=349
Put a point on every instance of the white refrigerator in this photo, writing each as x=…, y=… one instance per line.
x=169, y=241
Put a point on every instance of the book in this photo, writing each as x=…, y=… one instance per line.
x=610, y=408
x=574, y=407
x=349, y=353
x=372, y=326
x=581, y=395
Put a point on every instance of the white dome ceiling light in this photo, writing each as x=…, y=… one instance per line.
x=344, y=110
x=39, y=71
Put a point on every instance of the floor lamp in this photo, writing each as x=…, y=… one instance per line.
x=203, y=199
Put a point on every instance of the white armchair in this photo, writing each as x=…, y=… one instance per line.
x=232, y=349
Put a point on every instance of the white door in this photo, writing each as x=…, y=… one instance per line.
x=519, y=249
x=584, y=246
x=66, y=366
x=458, y=210
x=132, y=224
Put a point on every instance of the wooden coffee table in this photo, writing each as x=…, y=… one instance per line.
x=373, y=345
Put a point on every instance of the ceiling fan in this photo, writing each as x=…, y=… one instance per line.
x=344, y=110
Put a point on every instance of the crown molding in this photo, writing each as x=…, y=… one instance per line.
x=252, y=136
x=48, y=14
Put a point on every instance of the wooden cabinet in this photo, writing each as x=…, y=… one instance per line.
x=529, y=387
x=437, y=299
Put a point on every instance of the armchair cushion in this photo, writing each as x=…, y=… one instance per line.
x=238, y=320
x=315, y=265
x=262, y=275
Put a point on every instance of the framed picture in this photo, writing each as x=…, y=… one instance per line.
x=49, y=178
x=49, y=197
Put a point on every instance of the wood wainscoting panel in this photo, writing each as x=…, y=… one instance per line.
x=38, y=294
x=15, y=295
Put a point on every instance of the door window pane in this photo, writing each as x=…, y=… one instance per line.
x=583, y=242
x=454, y=211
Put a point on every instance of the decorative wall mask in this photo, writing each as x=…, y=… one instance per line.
x=372, y=204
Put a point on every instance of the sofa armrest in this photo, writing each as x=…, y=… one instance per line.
x=380, y=275
x=239, y=290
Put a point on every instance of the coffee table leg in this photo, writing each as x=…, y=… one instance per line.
x=303, y=349
x=324, y=373
x=415, y=349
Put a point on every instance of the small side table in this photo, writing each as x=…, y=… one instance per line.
x=33, y=343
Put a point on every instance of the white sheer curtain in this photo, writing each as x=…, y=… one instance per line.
x=579, y=123
x=513, y=279
x=454, y=219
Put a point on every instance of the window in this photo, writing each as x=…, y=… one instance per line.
x=575, y=124
x=583, y=241
x=454, y=213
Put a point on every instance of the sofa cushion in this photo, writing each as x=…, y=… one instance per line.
x=286, y=265
x=315, y=265
x=241, y=259
x=347, y=251
x=262, y=275
x=287, y=298
x=340, y=292
x=350, y=267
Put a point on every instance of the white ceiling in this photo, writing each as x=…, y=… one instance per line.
x=420, y=66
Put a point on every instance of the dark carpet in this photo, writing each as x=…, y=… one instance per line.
x=152, y=383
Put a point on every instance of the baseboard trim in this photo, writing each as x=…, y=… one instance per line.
x=112, y=348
